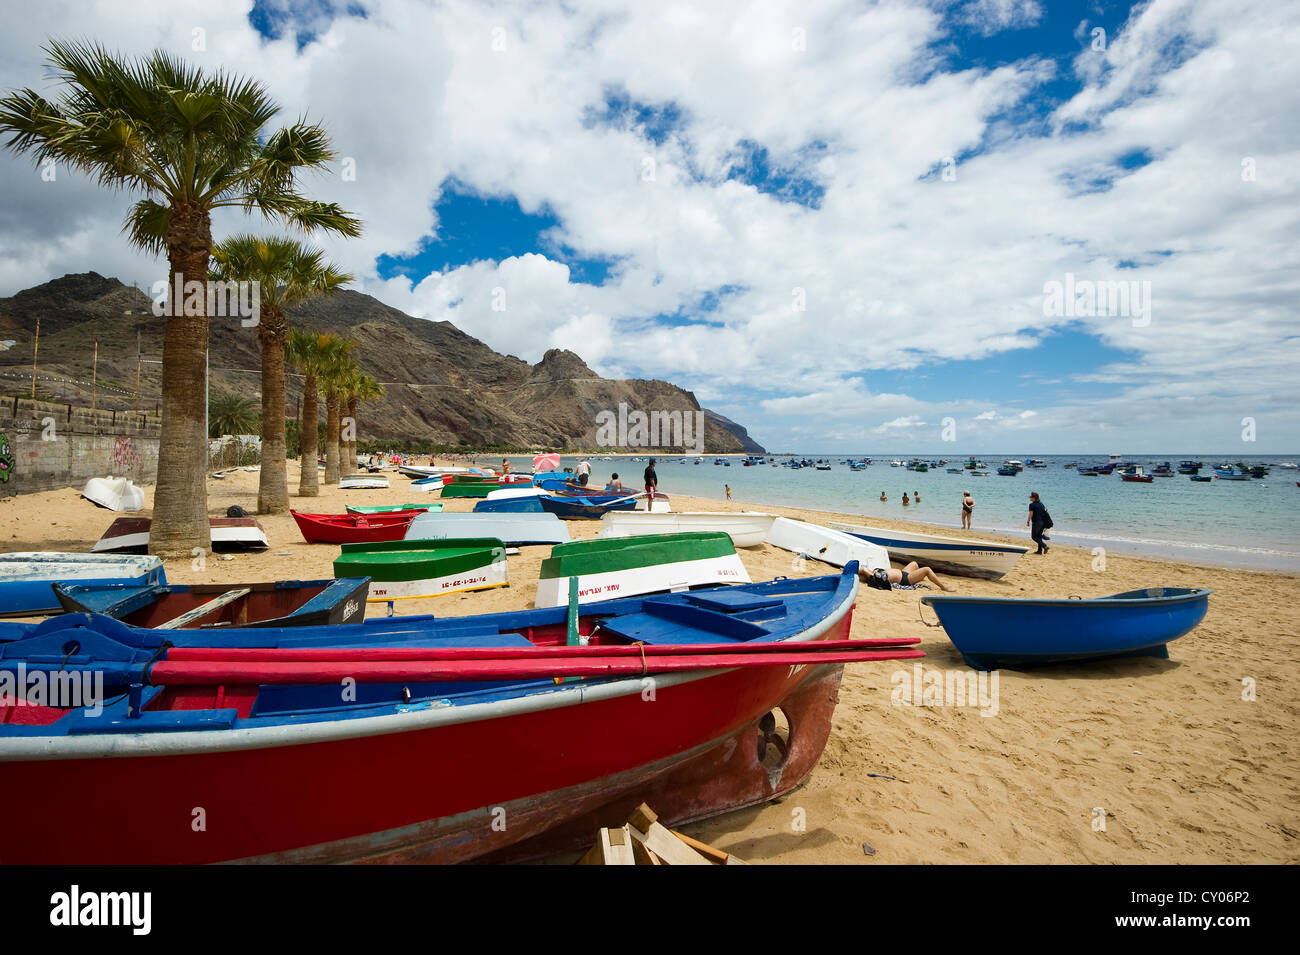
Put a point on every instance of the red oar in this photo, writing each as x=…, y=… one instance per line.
x=331, y=654
x=201, y=672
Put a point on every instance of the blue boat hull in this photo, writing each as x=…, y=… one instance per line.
x=510, y=505
x=585, y=506
x=996, y=632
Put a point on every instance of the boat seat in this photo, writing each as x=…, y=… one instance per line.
x=731, y=601
x=672, y=624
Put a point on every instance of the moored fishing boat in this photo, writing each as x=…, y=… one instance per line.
x=227, y=533
x=510, y=528
x=827, y=545
x=285, y=603
x=607, y=568
x=555, y=758
x=993, y=632
x=1008, y=471
x=353, y=528
x=401, y=570
x=745, y=529
x=954, y=555
x=26, y=578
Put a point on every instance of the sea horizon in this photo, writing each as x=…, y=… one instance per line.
x=1247, y=524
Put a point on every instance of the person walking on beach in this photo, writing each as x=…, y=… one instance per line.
x=905, y=500
x=1038, y=522
x=728, y=487
x=967, y=506
x=584, y=471
x=651, y=482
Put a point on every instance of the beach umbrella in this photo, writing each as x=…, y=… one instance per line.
x=546, y=462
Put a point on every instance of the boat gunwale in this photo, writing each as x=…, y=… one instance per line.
x=419, y=717
x=1112, y=600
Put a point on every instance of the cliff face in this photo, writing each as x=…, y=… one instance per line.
x=441, y=385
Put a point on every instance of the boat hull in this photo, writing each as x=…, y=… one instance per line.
x=657, y=578
x=983, y=559
x=467, y=781
x=829, y=546
x=291, y=603
x=26, y=579
x=486, y=577
x=995, y=632
x=745, y=530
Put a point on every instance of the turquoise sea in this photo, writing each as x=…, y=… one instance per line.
x=1254, y=523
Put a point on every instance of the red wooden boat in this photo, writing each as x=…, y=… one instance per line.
x=428, y=772
x=354, y=528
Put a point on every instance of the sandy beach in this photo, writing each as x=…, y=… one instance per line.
x=1185, y=769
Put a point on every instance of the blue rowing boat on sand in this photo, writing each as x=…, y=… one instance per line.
x=994, y=632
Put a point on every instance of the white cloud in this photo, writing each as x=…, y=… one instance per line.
x=900, y=270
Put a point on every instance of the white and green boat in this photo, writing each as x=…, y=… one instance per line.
x=403, y=570
x=392, y=508
x=611, y=567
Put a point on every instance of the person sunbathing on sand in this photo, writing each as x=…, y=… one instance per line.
x=913, y=574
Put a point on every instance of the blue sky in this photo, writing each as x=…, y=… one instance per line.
x=835, y=221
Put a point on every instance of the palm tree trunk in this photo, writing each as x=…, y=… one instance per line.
x=309, y=481
x=180, y=506
x=350, y=453
x=331, y=436
x=273, y=480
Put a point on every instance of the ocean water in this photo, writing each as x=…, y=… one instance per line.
x=1254, y=523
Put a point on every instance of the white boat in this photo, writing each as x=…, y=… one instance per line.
x=26, y=577
x=954, y=555
x=116, y=494
x=829, y=546
x=746, y=529
x=428, y=484
x=508, y=526
x=660, y=506
x=609, y=568
x=227, y=533
x=353, y=482
x=507, y=492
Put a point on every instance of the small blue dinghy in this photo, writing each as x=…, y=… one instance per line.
x=994, y=632
x=26, y=578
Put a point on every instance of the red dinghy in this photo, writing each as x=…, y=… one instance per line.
x=354, y=528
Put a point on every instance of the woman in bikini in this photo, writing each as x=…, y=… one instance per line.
x=914, y=574
x=967, y=505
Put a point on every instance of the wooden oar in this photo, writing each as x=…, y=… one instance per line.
x=206, y=673
x=344, y=654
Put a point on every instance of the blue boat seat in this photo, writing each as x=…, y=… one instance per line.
x=670, y=624
x=731, y=601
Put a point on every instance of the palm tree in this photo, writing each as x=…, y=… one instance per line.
x=360, y=387
x=231, y=414
x=338, y=370
x=189, y=142
x=313, y=354
x=287, y=272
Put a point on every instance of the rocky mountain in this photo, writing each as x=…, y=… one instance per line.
x=441, y=385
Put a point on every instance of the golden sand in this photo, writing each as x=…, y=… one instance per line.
x=1184, y=768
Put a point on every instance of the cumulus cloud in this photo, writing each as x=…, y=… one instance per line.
x=883, y=265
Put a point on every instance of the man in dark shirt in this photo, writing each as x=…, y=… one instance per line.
x=651, y=483
x=1037, y=522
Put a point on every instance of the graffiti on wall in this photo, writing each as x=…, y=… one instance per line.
x=125, y=457
x=6, y=459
